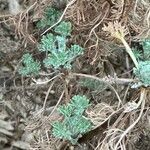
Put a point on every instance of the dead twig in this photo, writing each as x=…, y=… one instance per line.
x=142, y=103
x=107, y=81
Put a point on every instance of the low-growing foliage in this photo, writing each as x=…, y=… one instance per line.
x=145, y=54
x=47, y=43
x=93, y=84
x=137, y=53
x=58, y=53
x=64, y=28
x=146, y=49
x=142, y=65
x=51, y=16
x=143, y=70
x=30, y=65
x=143, y=73
x=75, y=123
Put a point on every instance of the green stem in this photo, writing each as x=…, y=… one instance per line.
x=129, y=51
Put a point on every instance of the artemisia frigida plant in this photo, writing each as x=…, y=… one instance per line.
x=141, y=70
x=60, y=55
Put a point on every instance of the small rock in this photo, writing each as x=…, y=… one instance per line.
x=6, y=125
x=21, y=145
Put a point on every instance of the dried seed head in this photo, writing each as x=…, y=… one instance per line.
x=116, y=29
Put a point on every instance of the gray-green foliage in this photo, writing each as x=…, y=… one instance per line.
x=143, y=70
x=64, y=28
x=145, y=54
x=59, y=54
x=75, y=123
x=143, y=73
x=137, y=53
x=92, y=84
x=146, y=49
x=47, y=43
x=30, y=66
x=51, y=16
x=63, y=58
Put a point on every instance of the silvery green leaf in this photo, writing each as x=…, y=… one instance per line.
x=30, y=65
x=74, y=123
x=50, y=17
x=143, y=72
x=47, y=43
x=64, y=28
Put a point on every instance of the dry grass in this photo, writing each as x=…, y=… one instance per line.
x=119, y=134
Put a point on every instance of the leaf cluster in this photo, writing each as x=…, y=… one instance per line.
x=75, y=123
x=146, y=49
x=51, y=16
x=59, y=54
x=55, y=44
x=143, y=70
x=143, y=73
x=143, y=55
x=30, y=66
x=92, y=84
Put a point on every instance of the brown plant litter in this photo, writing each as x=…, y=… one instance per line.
x=28, y=106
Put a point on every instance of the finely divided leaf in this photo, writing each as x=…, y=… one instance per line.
x=51, y=16
x=30, y=66
x=143, y=72
x=74, y=123
x=47, y=43
x=64, y=28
